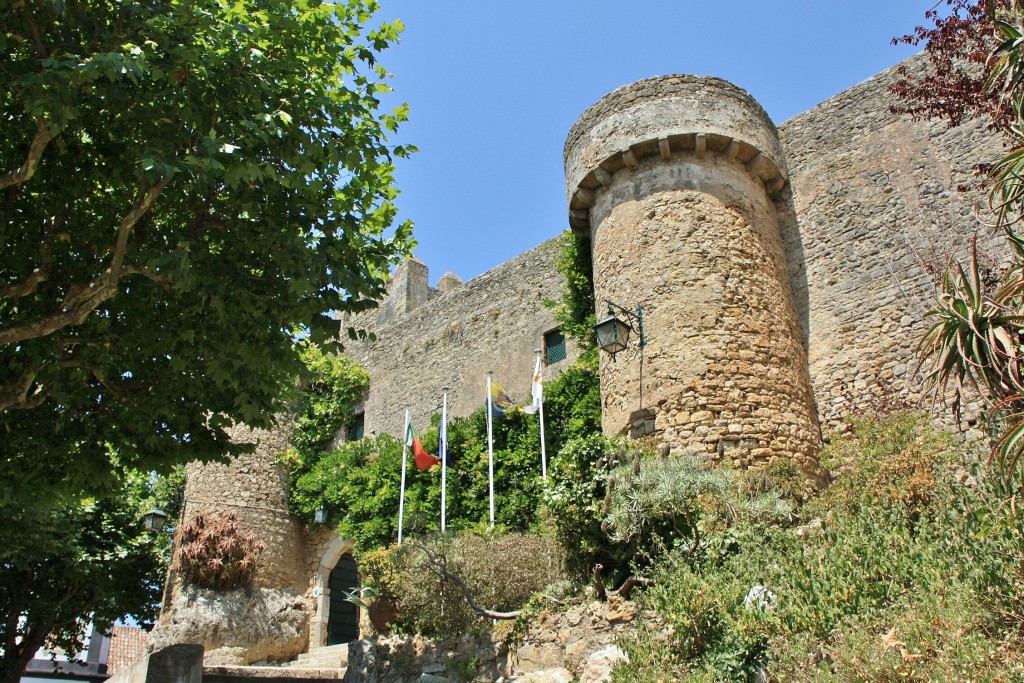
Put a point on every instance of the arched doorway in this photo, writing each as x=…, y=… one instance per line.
x=343, y=619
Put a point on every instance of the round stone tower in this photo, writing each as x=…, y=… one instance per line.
x=287, y=607
x=678, y=181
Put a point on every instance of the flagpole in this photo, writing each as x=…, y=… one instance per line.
x=490, y=447
x=443, y=438
x=540, y=409
x=401, y=495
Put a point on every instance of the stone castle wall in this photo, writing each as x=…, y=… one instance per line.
x=788, y=296
x=877, y=215
x=452, y=338
x=255, y=486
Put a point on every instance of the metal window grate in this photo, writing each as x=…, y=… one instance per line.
x=358, y=425
x=554, y=347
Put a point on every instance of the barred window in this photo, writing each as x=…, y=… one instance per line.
x=554, y=347
x=355, y=432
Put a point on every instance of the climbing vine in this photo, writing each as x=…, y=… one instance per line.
x=326, y=398
x=575, y=311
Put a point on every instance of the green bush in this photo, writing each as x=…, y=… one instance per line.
x=359, y=483
x=899, y=548
x=575, y=505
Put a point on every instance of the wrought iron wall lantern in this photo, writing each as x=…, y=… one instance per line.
x=321, y=515
x=154, y=520
x=613, y=332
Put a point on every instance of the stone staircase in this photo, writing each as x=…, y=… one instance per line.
x=330, y=657
x=325, y=663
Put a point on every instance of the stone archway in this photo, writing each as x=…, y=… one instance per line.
x=322, y=590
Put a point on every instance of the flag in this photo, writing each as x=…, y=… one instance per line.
x=537, y=390
x=423, y=459
x=442, y=444
x=501, y=402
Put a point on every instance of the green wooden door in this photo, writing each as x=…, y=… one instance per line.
x=343, y=620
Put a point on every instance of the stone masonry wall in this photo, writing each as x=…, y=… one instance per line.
x=876, y=203
x=255, y=487
x=674, y=183
x=725, y=369
x=493, y=322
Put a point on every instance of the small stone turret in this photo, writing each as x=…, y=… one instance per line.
x=675, y=179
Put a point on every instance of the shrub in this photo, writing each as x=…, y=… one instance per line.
x=214, y=551
x=909, y=548
x=575, y=505
x=501, y=570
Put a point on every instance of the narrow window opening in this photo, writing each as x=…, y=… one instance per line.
x=355, y=432
x=554, y=347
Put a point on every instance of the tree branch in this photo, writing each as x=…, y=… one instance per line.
x=18, y=394
x=42, y=273
x=81, y=300
x=439, y=568
x=602, y=594
x=35, y=153
x=622, y=591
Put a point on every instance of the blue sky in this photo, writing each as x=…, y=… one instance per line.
x=494, y=88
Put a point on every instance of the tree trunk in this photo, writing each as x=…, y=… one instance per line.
x=14, y=659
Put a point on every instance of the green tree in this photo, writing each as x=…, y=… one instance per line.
x=67, y=561
x=183, y=185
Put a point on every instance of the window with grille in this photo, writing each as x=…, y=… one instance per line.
x=554, y=347
x=355, y=432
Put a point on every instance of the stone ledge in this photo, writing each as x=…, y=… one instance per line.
x=266, y=674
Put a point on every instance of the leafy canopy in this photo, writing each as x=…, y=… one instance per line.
x=67, y=560
x=182, y=186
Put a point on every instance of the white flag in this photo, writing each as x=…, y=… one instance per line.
x=538, y=384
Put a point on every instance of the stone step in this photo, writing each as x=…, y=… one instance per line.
x=332, y=656
x=269, y=674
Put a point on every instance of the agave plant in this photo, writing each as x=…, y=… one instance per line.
x=974, y=347
x=215, y=551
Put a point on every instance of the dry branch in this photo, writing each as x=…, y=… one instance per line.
x=622, y=591
x=439, y=567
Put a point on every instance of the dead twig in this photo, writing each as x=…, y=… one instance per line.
x=622, y=591
x=439, y=567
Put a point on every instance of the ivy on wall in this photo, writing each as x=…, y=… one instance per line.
x=359, y=482
x=327, y=399
x=575, y=311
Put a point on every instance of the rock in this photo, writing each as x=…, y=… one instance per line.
x=236, y=627
x=599, y=665
x=431, y=678
x=810, y=530
x=545, y=676
x=575, y=654
x=362, y=662
x=538, y=657
x=620, y=610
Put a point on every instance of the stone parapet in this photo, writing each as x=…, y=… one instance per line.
x=662, y=117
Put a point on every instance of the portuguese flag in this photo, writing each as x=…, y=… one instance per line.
x=423, y=459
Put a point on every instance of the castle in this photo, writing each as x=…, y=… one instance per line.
x=783, y=273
